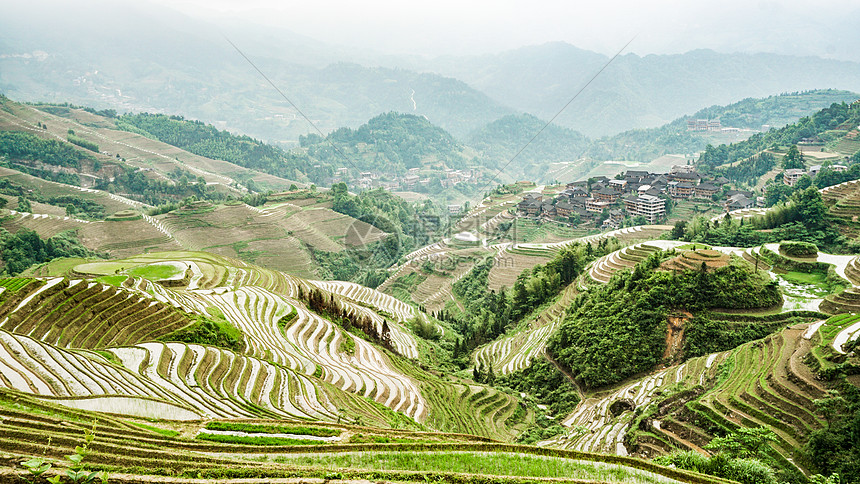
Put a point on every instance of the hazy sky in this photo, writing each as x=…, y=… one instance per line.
x=829, y=28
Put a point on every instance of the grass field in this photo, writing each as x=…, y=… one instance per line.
x=496, y=464
x=156, y=272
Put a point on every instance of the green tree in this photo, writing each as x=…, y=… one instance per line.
x=793, y=159
x=776, y=193
x=809, y=208
x=24, y=205
x=744, y=443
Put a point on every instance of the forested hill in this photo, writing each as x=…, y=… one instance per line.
x=500, y=140
x=830, y=125
x=388, y=144
x=750, y=113
x=206, y=140
x=392, y=142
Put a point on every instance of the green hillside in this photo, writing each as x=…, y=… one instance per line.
x=500, y=140
x=395, y=141
x=749, y=114
x=830, y=125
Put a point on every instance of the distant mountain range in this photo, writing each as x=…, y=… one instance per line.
x=145, y=57
x=633, y=91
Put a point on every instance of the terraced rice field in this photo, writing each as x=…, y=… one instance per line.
x=53, y=189
x=44, y=225
x=604, y=268
x=83, y=314
x=843, y=200
x=847, y=301
x=509, y=263
x=300, y=358
x=273, y=236
x=139, y=151
x=693, y=260
x=764, y=382
x=254, y=300
x=174, y=455
x=600, y=431
x=516, y=350
x=157, y=380
x=126, y=237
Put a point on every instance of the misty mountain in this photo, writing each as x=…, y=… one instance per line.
x=143, y=57
x=634, y=91
x=749, y=115
x=502, y=140
x=147, y=57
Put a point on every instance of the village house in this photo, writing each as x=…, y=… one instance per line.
x=705, y=190
x=791, y=176
x=564, y=208
x=739, y=201
x=618, y=185
x=606, y=195
x=616, y=217
x=530, y=207
x=596, y=206
x=688, y=177
x=677, y=189
x=651, y=207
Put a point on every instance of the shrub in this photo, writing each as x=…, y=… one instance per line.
x=798, y=249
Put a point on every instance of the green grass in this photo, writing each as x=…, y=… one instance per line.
x=112, y=280
x=103, y=268
x=528, y=230
x=159, y=431
x=347, y=345
x=273, y=429
x=379, y=439
x=403, y=287
x=235, y=439
x=155, y=271
x=14, y=283
x=56, y=267
x=500, y=464
x=805, y=277
x=692, y=247
x=215, y=313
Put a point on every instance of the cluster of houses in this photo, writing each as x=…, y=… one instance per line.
x=636, y=193
x=411, y=180
x=793, y=175
x=704, y=125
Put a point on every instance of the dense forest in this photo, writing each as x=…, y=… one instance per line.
x=205, y=140
x=25, y=248
x=394, y=141
x=619, y=329
x=18, y=146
